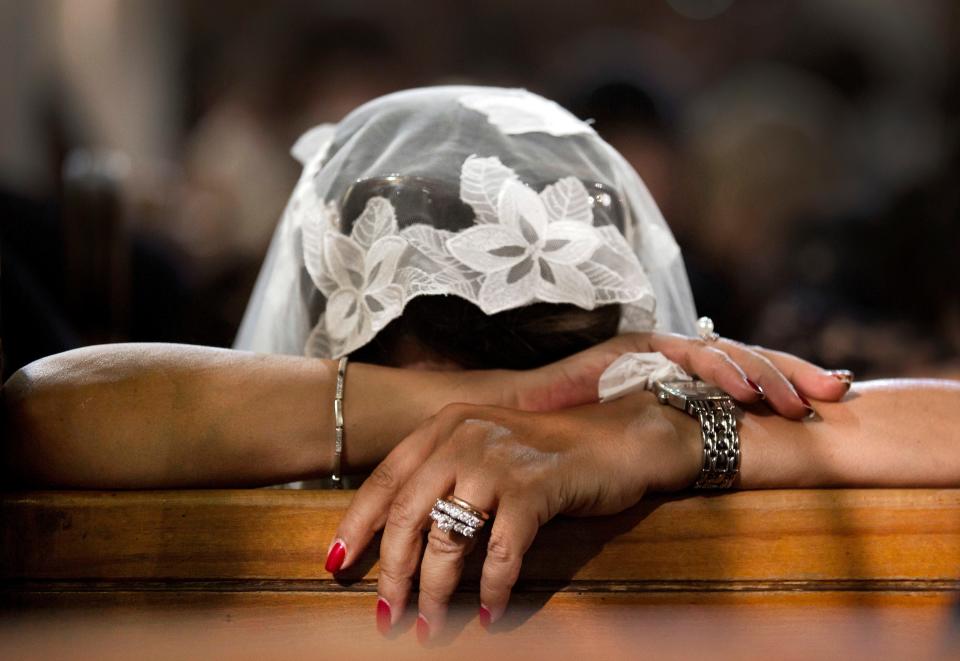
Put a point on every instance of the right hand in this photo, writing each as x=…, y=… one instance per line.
x=524, y=467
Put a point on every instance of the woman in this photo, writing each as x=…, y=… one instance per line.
x=550, y=245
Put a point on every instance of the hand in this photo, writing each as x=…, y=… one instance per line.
x=748, y=374
x=527, y=468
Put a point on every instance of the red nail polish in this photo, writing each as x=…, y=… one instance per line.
x=484, y=616
x=423, y=630
x=757, y=389
x=335, y=557
x=383, y=616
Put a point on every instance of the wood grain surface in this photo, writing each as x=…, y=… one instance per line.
x=750, y=538
x=239, y=574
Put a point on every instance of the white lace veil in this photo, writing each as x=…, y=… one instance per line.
x=498, y=196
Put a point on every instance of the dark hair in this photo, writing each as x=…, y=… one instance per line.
x=454, y=329
x=523, y=338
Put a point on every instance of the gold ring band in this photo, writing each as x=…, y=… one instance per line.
x=476, y=511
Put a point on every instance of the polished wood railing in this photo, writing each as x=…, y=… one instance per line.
x=878, y=567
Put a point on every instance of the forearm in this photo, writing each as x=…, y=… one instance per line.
x=153, y=415
x=884, y=433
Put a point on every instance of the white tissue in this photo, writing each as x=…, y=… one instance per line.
x=637, y=371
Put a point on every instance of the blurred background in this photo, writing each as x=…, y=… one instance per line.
x=805, y=152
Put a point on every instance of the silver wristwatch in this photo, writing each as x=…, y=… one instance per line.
x=715, y=410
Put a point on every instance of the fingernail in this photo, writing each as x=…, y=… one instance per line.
x=806, y=403
x=843, y=376
x=335, y=557
x=423, y=630
x=484, y=615
x=383, y=616
x=757, y=389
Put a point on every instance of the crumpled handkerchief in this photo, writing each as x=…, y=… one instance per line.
x=637, y=371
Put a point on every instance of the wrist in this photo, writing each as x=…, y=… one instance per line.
x=654, y=447
x=685, y=452
x=676, y=456
x=479, y=387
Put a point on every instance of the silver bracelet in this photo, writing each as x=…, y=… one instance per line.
x=335, y=477
x=721, y=443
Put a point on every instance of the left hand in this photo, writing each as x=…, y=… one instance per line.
x=524, y=467
x=749, y=374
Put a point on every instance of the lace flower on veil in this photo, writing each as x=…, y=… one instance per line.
x=593, y=236
x=525, y=247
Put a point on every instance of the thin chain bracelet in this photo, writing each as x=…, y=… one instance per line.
x=335, y=477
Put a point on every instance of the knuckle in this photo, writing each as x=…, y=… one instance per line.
x=727, y=361
x=768, y=364
x=453, y=411
x=384, y=476
x=441, y=543
x=402, y=513
x=718, y=354
x=498, y=586
x=730, y=342
x=392, y=575
x=351, y=521
x=468, y=433
x=697, y=344
x=433, y=594
x=501, y=550
x=717, y=361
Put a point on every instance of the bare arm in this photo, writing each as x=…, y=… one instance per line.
x=898, y=432
x=164, y=415
x=167, y=415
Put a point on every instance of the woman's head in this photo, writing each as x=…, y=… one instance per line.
x=447, y=332
x=488, y=226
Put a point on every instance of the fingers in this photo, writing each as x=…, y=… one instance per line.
x=780, y=393
x=749, y=374
x=712, y=364
x=367, y=512
x=512, y=534
x=443, y=563
x=783, y=380
x=809, y=379
x=805, y=379
x=402, y=542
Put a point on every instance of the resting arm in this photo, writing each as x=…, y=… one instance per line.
x=165, y=415
x=893, y=433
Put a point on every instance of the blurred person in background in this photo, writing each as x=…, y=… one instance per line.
x=282, y=74
x=94, y=80
x=200, y=96
x=237, y=160
x=191, y=213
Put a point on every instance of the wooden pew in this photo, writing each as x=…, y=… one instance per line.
x=785, y=574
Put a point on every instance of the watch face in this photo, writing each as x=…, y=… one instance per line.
x=699, y=390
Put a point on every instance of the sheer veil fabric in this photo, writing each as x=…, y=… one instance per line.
x=497, y=196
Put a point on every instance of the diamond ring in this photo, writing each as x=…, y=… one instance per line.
x=459, y=516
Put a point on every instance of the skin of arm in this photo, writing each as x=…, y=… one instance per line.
x=167, y=416
x=885, y=433
x=890, y=433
